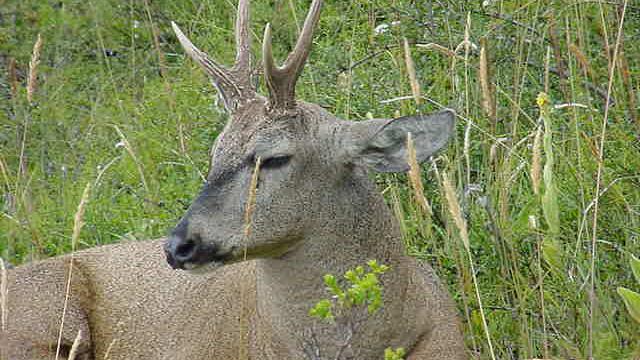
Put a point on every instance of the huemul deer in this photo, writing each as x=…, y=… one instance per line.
x=315, y=211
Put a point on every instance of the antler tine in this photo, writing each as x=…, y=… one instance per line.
x=298, y=57
x=215, y=70
x=227, y=84
x=281, y=81
x=270, y=69
x=243, y=39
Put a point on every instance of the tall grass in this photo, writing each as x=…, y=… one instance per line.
x=114, y=92
x=78, y=223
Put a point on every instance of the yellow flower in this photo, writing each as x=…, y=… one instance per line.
x=542, y=99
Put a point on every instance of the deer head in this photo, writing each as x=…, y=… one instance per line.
x=310, y=167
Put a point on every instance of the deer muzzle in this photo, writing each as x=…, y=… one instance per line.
x=189, y=253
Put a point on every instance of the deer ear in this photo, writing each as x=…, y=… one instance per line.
x=381, y=144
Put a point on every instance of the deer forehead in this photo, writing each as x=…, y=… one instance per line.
x=256, y=132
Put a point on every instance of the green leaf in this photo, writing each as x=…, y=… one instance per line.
x=322, y=310
x=332, y=285
x=632, y=301
x=351, y=276
x=390, y=354
x=635, y=267
x=552, y=252
x=550, y=208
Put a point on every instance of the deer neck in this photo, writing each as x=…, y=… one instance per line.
x=288, y=287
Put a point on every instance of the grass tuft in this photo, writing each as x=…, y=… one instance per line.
x=78, y=223
x=411, y=71
x=32, y=81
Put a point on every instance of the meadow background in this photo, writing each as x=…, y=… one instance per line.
x=114, y=102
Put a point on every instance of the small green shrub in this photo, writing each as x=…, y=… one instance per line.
x=390, y=354
x=363, y=289
x=351, y=303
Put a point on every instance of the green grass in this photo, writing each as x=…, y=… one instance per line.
x=170, y=123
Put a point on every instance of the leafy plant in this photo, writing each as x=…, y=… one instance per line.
x=349, y=306
x=390, y=354
x=363, y=289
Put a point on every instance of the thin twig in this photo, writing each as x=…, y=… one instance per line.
x=508, y=19
x=367, y=58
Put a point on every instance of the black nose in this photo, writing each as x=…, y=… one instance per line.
x=182, y=250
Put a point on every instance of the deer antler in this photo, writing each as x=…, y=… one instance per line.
x=281, y=81
x=234, y=85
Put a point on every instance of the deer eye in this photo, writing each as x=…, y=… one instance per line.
x=275, y=162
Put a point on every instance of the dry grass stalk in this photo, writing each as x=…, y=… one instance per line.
x=74, y=347
x=439, y=48
x=467, y=97
x=251, y=199
x=625, y=73
x=536, y=161
x=557, y=53
x=467, y=37
x=456, y=214
x=5, y=173
x=596, y=200
x=248, y=215
x=592, y=146
x=454, y=209
x=13, y=77
x=129, y=149
x=78, y=223
x=4, y=294
x=156, y=41
x=33, y=69
x=415, y=179
x=78, y=220
x=411, y=71
x=547, y=69
x=533, y=225
x=582, y=60
x=485, y=84
x=162, y=65
x=493, y=155
x=108, y=352
x=397, y=210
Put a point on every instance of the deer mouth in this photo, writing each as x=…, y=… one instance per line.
x=205, y=258
x=212, y=261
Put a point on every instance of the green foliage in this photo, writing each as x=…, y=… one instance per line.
x=632, y=301
x=551, y=248
x=631, y=298
x=358, y=289
x=322, y=310
x=362, y=288
x=397, y=354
